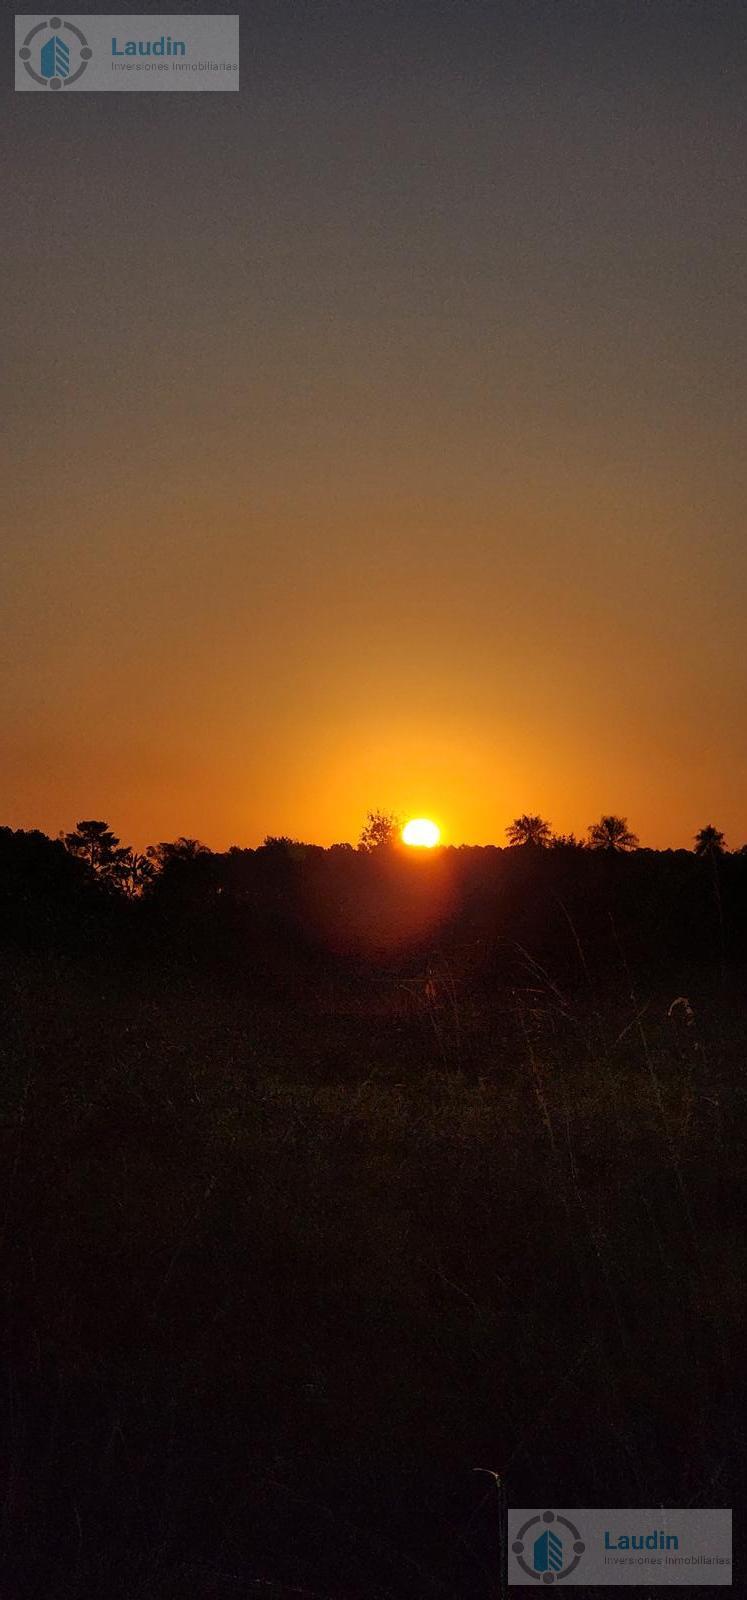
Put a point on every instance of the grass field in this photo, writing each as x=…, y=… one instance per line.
x=286, y=1282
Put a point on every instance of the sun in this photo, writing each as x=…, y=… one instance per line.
x=421, y=832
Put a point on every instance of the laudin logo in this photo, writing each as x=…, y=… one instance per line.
x=548, y=1548
x=53, y=57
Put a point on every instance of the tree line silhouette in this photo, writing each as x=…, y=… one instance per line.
x=292, y=904
x=609, y=833
x=119, y=867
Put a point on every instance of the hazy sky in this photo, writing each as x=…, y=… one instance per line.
x=375, y=436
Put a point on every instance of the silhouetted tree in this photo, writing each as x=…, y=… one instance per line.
x=381, y=828
x=566, y=841
x=710, y=841
x=532, y=830
x=134, y=873
x=94, y=843
x=281, y=848
x=180, y=849
x=612, y=833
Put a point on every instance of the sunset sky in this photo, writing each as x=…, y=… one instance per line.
x=375, y=435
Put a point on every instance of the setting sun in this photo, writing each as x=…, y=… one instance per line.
x=421, y=832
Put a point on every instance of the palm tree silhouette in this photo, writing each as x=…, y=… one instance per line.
x=710, y=841
x=529, y=830
x=612, y=833
x=134, y=873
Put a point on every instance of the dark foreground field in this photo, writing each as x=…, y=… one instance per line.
x=278, y=1283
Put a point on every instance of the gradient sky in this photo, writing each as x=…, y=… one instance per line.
x=375, y=436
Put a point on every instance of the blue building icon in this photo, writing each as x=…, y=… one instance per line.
x=55, y=58
x=548, y=1552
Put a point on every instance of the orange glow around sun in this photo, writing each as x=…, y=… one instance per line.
x=421, y=833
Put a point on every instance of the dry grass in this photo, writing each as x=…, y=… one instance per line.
x=277, y=1283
